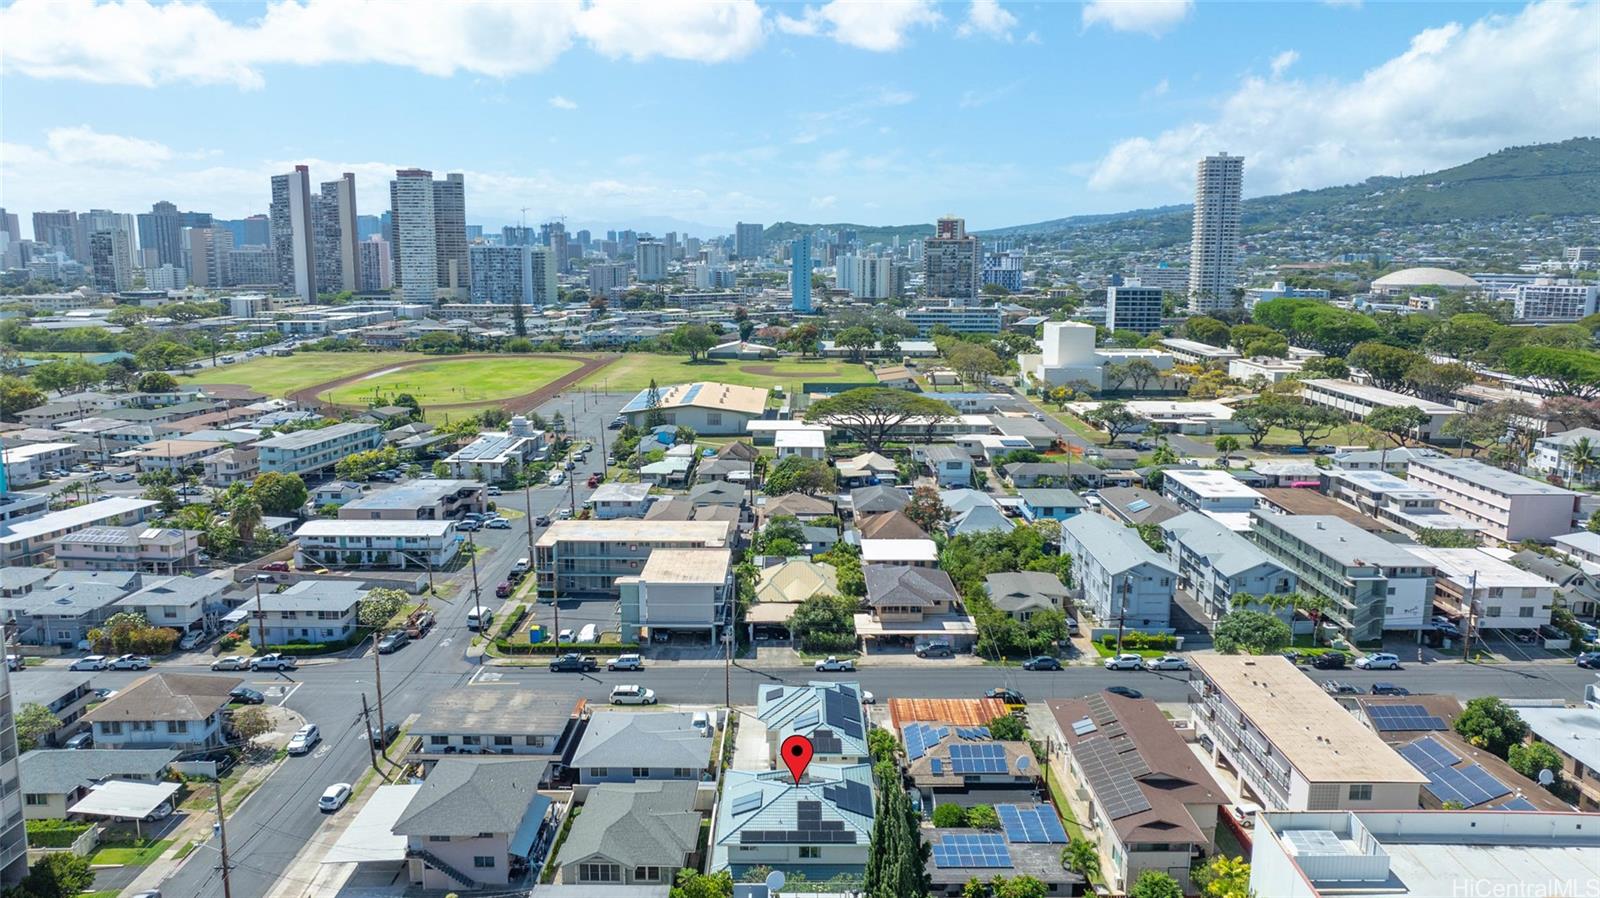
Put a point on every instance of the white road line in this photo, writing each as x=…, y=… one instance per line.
x=292, y=690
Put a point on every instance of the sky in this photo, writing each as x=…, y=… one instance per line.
x=694, y=115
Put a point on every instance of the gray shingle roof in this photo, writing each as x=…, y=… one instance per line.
x=635, y=824
x=464, y=797
x=878, y=498
x=891, y=584
x=1115, y=547
x=511, y=712
x=57, y=771
x=167, y=697
x=642, y=739
x=1229, y=553
x=1013, y=591
x=1051, y=498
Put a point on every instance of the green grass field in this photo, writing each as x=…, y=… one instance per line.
x=457, y=380
x=634, y=371
x=280, y=376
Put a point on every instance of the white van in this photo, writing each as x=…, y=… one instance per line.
x=589, y=634
x=474, y=622
x=521, y=567
x=701, y=721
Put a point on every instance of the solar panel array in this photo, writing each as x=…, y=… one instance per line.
x=851, y=796
x=922, y=736
x=971, y=850
x=1428, y=753
x=1031, y=823
x=746, y=803
x=1518, y=804
x=841, y=708
x=809, y=829
x=1471, y=785
x=1394, y=718
x=968, y=758
x=1110, y=778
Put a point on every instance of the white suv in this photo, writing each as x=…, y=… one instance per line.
x=632, y=695
x=1379, y=661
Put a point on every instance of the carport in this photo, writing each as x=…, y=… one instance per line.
x=124, y=800
x=370, y=837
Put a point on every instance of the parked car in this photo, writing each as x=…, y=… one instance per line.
x=629, y=661
x=1167, y=662
x=469, y=526
x=831, y=663
x=498, y=524
x=868, y=698
x=99, y=476
x=563, y=513
x=123, y=477
x=557, y=478
x=617, y=423
x=420, y=625
x=388, y=734
x=492, y=491
x=936, y=650
x=273, y=661
x=1334, y=687
x=90, y=662
x=632, y=694
x=503, y=590
x=275, y=566
x=542, y=521
x=334, y=797
x=15, y=662
x=84, y=739
x=1124, y=661
x=1330, y=661
x=594, y=480
x=131, y=662
x=1124, y=691
x=1043, y=662
x=392, y=641
x=1389, y=689
x=574, y=662
x=244, y=695
x=1379, y=661
x=1590, y=660
x=190, y=640
x=231, y=662
x=1009, y=696
x=304, y=739
x=566, y=634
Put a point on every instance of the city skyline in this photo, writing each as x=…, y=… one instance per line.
x=534, y=121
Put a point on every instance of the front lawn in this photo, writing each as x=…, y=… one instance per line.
x=131, y=853
x=1111, y=651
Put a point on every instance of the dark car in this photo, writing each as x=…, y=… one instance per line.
x=1009, y=696
x=936, y=650
x=1330, y=661
x=1590, y=660
x=1124, y=691
x=244, y=695
x=1389, y=689
x=542, y=521
x=1043, y=662
x=503, y=590
x=1334, y=687
x=390, y=731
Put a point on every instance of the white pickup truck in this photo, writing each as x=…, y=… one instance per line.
x=831, y=663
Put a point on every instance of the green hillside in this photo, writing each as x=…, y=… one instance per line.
x=1518, y=182
x=784, y=231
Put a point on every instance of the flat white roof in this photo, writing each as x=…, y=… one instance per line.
x=1461, y=565
x=1212, y=483
x=881, y=550
x=800, y=439
x=369, y=837
x=765, y=425
x=28, y=450
x=72, y=518
x=125, y=800
x=1379, y=396
x=356, y=527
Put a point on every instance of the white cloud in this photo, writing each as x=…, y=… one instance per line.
x=1456, y=93
x=878, y=25
x=972, y=99
x=141, y=43
x=985, y=17
x=824, y=202
x=82, y=145
x=1159, y=89
x=1152, y=17
x=560, y=102
x=1283, y=61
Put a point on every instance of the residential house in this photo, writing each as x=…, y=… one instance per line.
x=1581, y=546
x=1254, y=710
x=866, y=469
x=312, y=611
x=470, y=818
x=62, y=612
x=1029, y=475
x=1509, y=507
x=1123, y=581
x=1556, y=453
x=874, y=499
x=1574, y=733
x=1151, y=803
x=336, y=493
x=723, y=470
x=1374, y=585
x=543, y=723
x=186, y=604
x=621, y=500
x=830, y=714
x=418, y=500
x=634, y=746
x=898, y=376
x=714, y=409
x=904, y=552
x=679, y=592
x=1215, y=564
x=949, y=466
x=919, y=604
x=1027, y=846
x=632, y=833
x=980, y=518
x=64, y=693
x=809, y=444
x=153, y=550
x=667, y=472
x=591, y=555
x=888, y=525
x=1019, y=594
x=964, y=766
x=820, y=827
x=1577, y=589
x=781, y=588
x=719, y=493
x=795, y=505
x=1050, y=504
x=162, y=710
x=1135, y=506
x=382, y=543
x=236, y=464
x=54, y=779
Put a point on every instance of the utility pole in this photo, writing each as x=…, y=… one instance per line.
x=261, y=615
x=366, y=717
x=222, y=834
x=1472, y=615
x=477, y=597
x=1122, y=613
x=377, y=667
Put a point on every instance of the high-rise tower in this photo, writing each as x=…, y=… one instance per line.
x=1214, y=248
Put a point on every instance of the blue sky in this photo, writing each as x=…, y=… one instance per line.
x=648, y=114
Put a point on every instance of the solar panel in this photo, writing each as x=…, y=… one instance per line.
x=1031, y=823
x=807, y=720
x=968, y=758
x=1428, y=753
x=746, y=803
x=920, y=737
x=1471, y=785
x=936, y=766
x=851, y=796
x=1083, y=727
x=1108, y=777
x=1397, y=718
x=1519, y=804
x=971, y=850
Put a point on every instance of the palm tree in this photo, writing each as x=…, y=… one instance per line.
x=246, y=516
x=1082, y=858
x=1580, y=458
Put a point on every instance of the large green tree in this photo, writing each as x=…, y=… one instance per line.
x=1574, y=372
x=795, y=474
x=279, y=493
x=870, y=414
x=1155, y=884
x=1491, y=724
x=693, y=339
x=1251, y=633
x=33, y=722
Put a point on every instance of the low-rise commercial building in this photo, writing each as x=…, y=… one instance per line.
x=714, y=409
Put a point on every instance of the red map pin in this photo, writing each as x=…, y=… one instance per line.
x=796, y=751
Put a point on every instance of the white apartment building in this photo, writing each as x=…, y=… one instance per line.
x=308, y=451
x=1193, y=352
x=1215, y=564
x=308, y=611
x=13, y=831
x=1292, y=745
x=415, y=250
x=678, y=590
x=963, y=319
x=1509, y=507
x=1554, y=453
x=1269, y=369
x=1356, y=401
x=156, y=550
x=1486, y=592
x=1549, y=299
x=510, y=274
x=1398, y=504
x=1118, y=575
x=586, y=557
x=361, y=544
x=1208, y=490
x=650, y=258
x=1214, y=244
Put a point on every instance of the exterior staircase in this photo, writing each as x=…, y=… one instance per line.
x=434, y=862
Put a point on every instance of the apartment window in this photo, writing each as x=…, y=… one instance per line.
x=641, y=771
x=438, y=740
x=535, y=741
x=33, y=798
x=471, y=740
x=502, y=740
x=1361, y=792
x=438, y=838
x=599, y=771
x=1492, y=611
x=811, y=852
x=1524, y=612
x=483, y=861
x=177, y=726
x=599, y=873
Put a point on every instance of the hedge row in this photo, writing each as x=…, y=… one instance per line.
x=55, y=833
x=317, y=648
x=1135, y=639
x=507, y=647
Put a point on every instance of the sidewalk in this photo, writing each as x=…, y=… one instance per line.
x=198, y=825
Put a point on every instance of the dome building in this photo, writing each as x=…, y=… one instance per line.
x=1399, y=283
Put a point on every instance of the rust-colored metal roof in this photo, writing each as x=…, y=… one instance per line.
x=966, y=712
